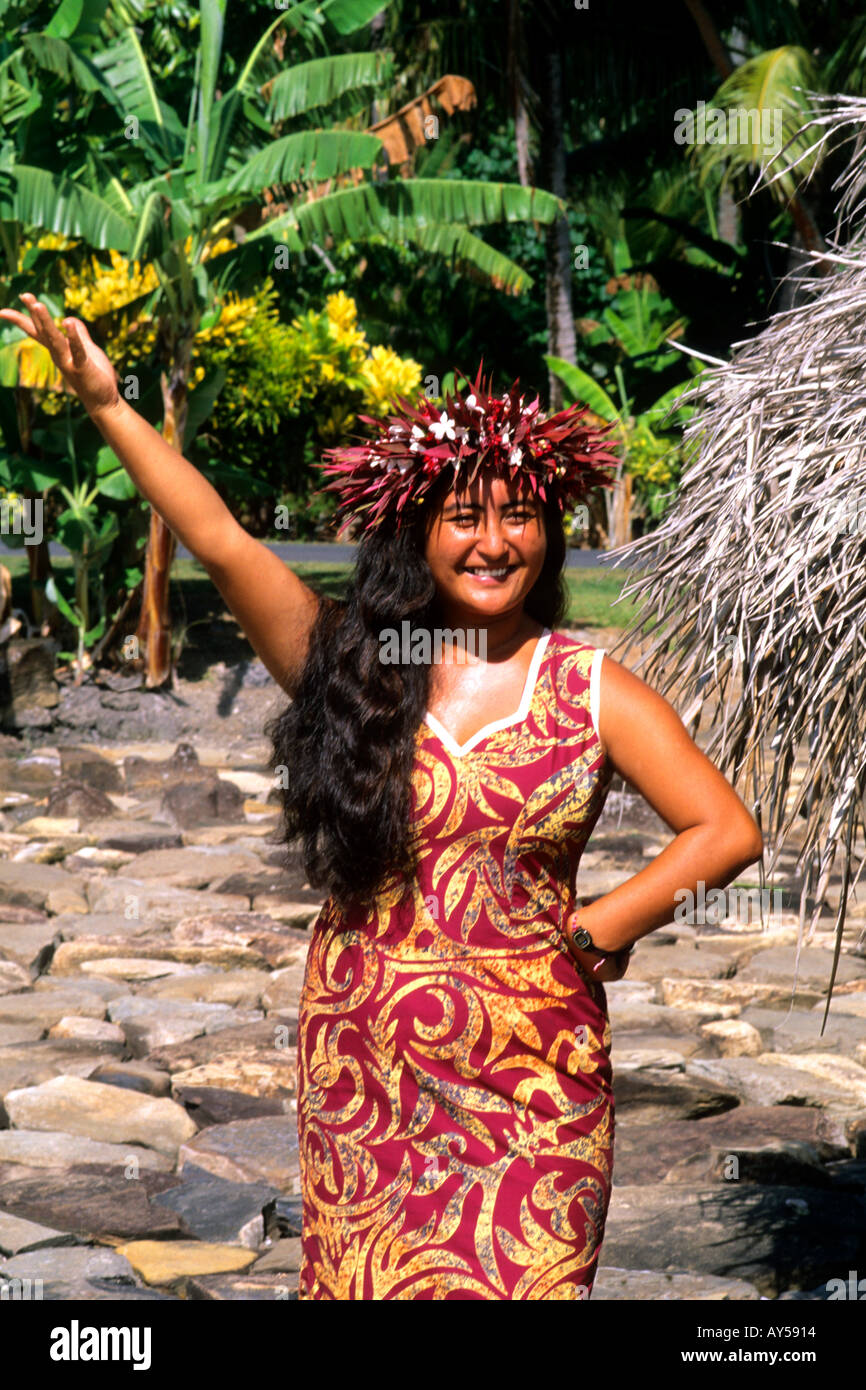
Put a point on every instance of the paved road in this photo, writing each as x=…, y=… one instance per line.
x=322, y=551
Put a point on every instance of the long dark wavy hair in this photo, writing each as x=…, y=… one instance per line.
x=347, y=740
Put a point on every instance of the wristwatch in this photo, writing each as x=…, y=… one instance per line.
x=584, y=941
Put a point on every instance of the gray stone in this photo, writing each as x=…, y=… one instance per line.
x=32, y=885
x=780, y=1162
x=241, y=988
x=283, y=1257
x=47, y=1006
x=152, y=1023
x=29, y=1064
x=245, y=1288
x=761, y=1082
x=87, y=765
x=162, y=906
x=194, y=867
x=92, y=1201
x=204, y=803
x=134, y=1076
x=59, y=1149
x=656, y=1096
x=217, y=1210
x=776, y=1239
x=132, y=836
x=653, y=1286
x=64, y=1268
x=102, y=1112
x=71, y=798
x=680, y=961
x=800, y=1029
x=264, y=1150
x=640, y=1017
x=30, y=944
x=815, y=966
x=19, y=1236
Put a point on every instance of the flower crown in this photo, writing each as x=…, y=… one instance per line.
x=413, y=448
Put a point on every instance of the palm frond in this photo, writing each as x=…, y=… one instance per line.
x=759, y=567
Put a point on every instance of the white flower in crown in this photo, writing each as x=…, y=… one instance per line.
x=515, y=457
x=396, y=431
x=470, y=402
x=443, y=428
x=506, y=434
x=417, y=432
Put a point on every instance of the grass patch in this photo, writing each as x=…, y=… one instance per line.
x=593, y=592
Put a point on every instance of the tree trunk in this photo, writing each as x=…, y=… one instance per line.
x=43, y=613
x=517, y=91
x=561, y=339
x=154, y=626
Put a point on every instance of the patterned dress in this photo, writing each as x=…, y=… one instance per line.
x=455, y=1102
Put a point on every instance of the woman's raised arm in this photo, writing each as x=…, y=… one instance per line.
x=274, y=607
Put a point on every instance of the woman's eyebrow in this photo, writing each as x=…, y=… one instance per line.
x=479, y=506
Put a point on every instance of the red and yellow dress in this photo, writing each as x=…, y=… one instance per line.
x=455, y=1100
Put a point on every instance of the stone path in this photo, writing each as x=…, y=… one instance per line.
x=152, y=953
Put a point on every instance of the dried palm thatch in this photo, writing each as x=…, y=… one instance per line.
x=759, y=567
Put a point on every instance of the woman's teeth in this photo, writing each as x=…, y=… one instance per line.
x=484, y=570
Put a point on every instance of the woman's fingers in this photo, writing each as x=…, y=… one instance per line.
x=76, y=346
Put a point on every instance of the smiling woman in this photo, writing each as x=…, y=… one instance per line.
x=455, y=1102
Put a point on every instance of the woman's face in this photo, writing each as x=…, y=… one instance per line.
x=485, y=547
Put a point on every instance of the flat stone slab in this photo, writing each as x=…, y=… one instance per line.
x=659, y=1096
x=91, y=1202
x=275, y=945
x=775, y=1238
x=264, y=1150
x=47, y=1007
x=219, y=1211
x=266, y=1041
x=132, y=837
x=213, y=1105
x=70, y=956
x=159, y=905
x=783, y=1079
x=653, y=962
x=272, y=1077
x=28, y=943
x=62, y=1268
x=653, y=1285
x=240, y=988
x=244, y=1288
x=284, y=1257
x=135, y=1075
x=800, y=1029
x=29, y=1064
x=814, y=969
x=32, y=885
x=195, y=867
x=97, y=1111
x=645, y=1153
x=153, y=1023
x=169, y=1261
x=18, y=1236
x=57, y=1149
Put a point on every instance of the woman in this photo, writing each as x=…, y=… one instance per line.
x=455, y=1107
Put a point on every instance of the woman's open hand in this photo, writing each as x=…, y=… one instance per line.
x=84, y=366
x=603, y=968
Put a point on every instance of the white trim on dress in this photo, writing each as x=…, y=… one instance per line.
x=595, y=689
x=519, y=714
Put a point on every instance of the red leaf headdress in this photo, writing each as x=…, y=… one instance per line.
x=412, y=449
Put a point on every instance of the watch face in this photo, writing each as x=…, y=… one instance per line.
x=582, y=938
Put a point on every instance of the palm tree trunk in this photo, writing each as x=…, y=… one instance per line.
x=38, y=556
x=561, y=338
x=154, y=625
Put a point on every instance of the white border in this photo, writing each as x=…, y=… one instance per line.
x=595, y=689
x=519, y=714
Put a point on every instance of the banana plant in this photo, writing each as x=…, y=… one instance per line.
x=638, y=433
x=175, y=187
x=88, y=536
